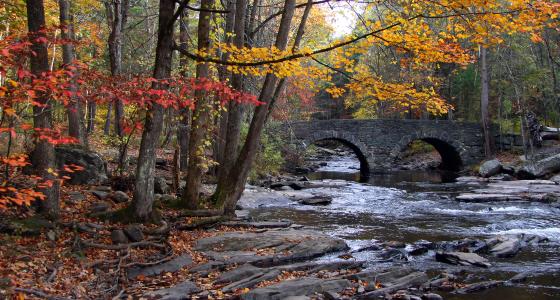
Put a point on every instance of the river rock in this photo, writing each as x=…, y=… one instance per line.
x=169, y=266
x=555, y=178
x=463, y=259
x=431, y=296
x=490, y=168
x=298, y=287
x=181, y=291
x=504, y=246
x=240, y=247
x=317, y=200
x=101, y=195
x=94, y=167
x=479, y=286
x=540, y=168
x=260, y=225
x=413, y=279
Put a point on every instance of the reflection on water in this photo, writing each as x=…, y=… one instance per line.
x=410, y=206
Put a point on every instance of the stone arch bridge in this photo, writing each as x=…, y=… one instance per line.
x=379, y=143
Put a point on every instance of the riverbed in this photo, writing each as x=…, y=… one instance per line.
x=419, y=206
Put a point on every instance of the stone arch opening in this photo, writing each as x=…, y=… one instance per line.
x=358, y=151
x=450, y=156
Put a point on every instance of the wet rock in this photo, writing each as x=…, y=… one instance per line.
x=479, y=286
x=317, y=200
x=555, y=178
x=160, y=186
x=417, y=250
x=134, y=233
x=298, y=287
x=386, y=277
x=373, y=247
x=168, y=266
x=394, y=255
x=431, y=296
x=394, y=244
x=504, y=246
x=263, y=224
x=94, y=167
x=119, y=197
x=99, y=207
x=118, y=237
x=541, y=168
x=414, y=279
x=463, y=259
x=181, y=291
x=521, y=277
x=490, y=168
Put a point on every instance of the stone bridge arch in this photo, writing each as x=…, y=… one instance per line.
x=347, y=139
x=452, y=152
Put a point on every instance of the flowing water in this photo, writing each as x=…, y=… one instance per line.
x=413, y=206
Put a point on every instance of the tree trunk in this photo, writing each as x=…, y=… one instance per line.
x=229, y=190
x=235, y=111
x=76, y=124
x=117, y=12
x=141, y=206
x=485, y=118
x=201, y=115
x=107, y=127
x=224, y=75
x=92, y=110
x=43, y=156
x=183, y=132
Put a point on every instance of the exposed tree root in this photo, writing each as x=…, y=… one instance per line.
x=202, y=223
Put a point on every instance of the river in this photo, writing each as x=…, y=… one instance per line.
x=417, y=206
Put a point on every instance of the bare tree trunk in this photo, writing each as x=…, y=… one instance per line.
x=117, y=12
x=230, y=188
x=107, y=127
x=485, y=118
x=230, y=149
x=76, y=124
x=43, y=156
x=143, y=198
x=183, y=132
x=92, y=110
x=201, y=115
x=220, y=144
x=297, y=42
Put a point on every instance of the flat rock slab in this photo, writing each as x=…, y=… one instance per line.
x=517, y=190
x=463, y=259
x=300, y=287
x=285, y=246
x=260, y=225
x=181, y=291
x=169, y=266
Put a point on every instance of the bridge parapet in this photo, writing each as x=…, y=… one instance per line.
x=380, y=142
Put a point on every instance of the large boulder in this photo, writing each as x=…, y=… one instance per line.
x=94, y=167
x=490, y=168
x=540, y=168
